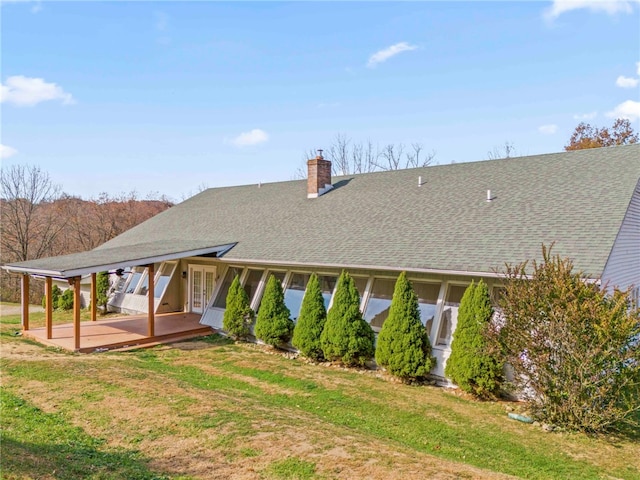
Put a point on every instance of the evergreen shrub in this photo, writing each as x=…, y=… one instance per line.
x=273, y=325
x=55, y=295
x=238, y=316
x=470, y=365
x=403, y=345
x=313, y=315
x=102, y=290
x=65, y=301
x=346, y=336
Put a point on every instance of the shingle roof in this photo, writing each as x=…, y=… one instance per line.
x=385, y=220
x=575, y=199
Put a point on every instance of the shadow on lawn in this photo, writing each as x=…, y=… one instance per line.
x=67, y=461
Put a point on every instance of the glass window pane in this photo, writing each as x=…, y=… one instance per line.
x=252, y=282
x=144, y=285
x=133, y=283
x=163, y=279
x=122, y=281
x=361, y=284
x=279, y=276
x=427, y=300
x=221, y=300
x=294, y=293
x=327, y=284
x=452, y=302
x=379, y=302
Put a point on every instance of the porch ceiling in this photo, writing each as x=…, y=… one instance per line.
x=101, y=259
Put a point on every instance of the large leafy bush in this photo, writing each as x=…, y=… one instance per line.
x=573, y=346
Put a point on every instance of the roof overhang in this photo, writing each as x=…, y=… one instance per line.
x=105, y=259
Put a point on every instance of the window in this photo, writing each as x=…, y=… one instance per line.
x=252, y=282
x=427, y=300
x=279, y=276
x=379, y=302
x=327, y=285
x=143, y=288
x=164, y=276
x=134, y=279
x=121, y=282
x=221, y=299
x=294, y=293
x=361, y=284
x=450, y=313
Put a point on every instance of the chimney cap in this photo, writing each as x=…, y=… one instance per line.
x=319, y=153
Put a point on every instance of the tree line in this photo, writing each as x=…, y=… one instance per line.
x=39, y=220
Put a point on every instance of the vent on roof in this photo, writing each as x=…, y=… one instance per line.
x=319, y=176
x=490, y=197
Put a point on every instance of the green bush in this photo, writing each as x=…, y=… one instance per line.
x=55, y=294
x=346, y=336
x=102, y=290
x=403, y=344
x=65, y=301
x=470, y=365
x=313, y=315
x=273, y=325
x=573, y=347
x=238, y=316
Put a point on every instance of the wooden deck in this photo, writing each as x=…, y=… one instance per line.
x=123, y=332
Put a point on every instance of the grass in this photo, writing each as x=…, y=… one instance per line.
x=223, y=410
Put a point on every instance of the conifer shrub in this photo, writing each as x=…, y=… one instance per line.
x=65, y=301
x=238, y=316
x=403, y=344
x=471, y=366
x=273, y=325
x=102, y=290
x=346, y=336
x=313, y=315
x=55, y=295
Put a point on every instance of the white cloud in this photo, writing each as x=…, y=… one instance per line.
x=629, y=110
x=585, y=116
x=6, y=151
x=27, y=92
x=386, y=53
x=253, y=137
x=626, y=82
x=548, y=129
x=610, y=7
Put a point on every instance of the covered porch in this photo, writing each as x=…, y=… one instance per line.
x=135, y=330
x=121, y=332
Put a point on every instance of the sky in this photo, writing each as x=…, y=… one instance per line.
x=170, y=97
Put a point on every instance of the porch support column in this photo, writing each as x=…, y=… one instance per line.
x=75, y=283
x=48, y=311
x=94, y=306
x=151, y=297
x=25, y=302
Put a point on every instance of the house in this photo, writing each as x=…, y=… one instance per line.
x=445, y=225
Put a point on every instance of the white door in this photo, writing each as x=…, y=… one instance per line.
x=202, y=281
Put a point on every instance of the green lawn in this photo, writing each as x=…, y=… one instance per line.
x=213, y=409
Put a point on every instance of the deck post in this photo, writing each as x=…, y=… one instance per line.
x=94, y=306
x=75, y=281
x=48, y=315
x=25, y=302
x=151, y=305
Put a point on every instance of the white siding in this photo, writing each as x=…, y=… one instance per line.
x=623, y=266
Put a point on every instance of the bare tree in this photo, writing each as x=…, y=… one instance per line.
x=505, y=151
x=29, y=228
x=349, y=157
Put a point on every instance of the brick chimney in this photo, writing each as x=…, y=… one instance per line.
x=319, y=176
